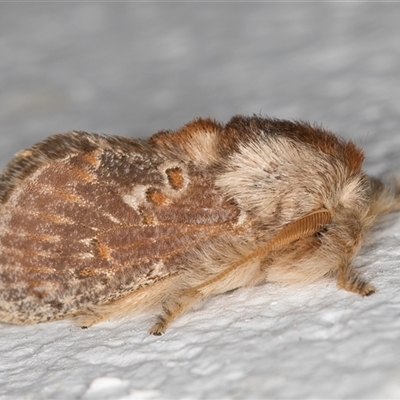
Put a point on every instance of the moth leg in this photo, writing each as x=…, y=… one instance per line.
x=173, y=308
x=349, y=279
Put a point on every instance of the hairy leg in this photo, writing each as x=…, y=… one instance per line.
x=173, y=308
x=349, y=279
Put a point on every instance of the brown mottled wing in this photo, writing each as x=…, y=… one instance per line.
x=86, y=218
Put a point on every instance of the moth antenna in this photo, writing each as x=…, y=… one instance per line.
x=301, y=228
x=298, y=229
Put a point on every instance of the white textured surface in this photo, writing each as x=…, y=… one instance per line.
x=135, y=68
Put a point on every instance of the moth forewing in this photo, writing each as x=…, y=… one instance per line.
x=95, y=226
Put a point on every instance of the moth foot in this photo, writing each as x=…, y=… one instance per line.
x=360, y=287
x=350, y=280
x=88, y=319
x=354, y=283
x=366, y=290
x=158, y=328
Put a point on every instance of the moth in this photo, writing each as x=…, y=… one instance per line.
x=95, y=226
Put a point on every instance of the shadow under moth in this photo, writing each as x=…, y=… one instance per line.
x=95, y=226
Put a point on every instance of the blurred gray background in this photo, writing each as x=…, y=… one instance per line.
x=136, y=68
